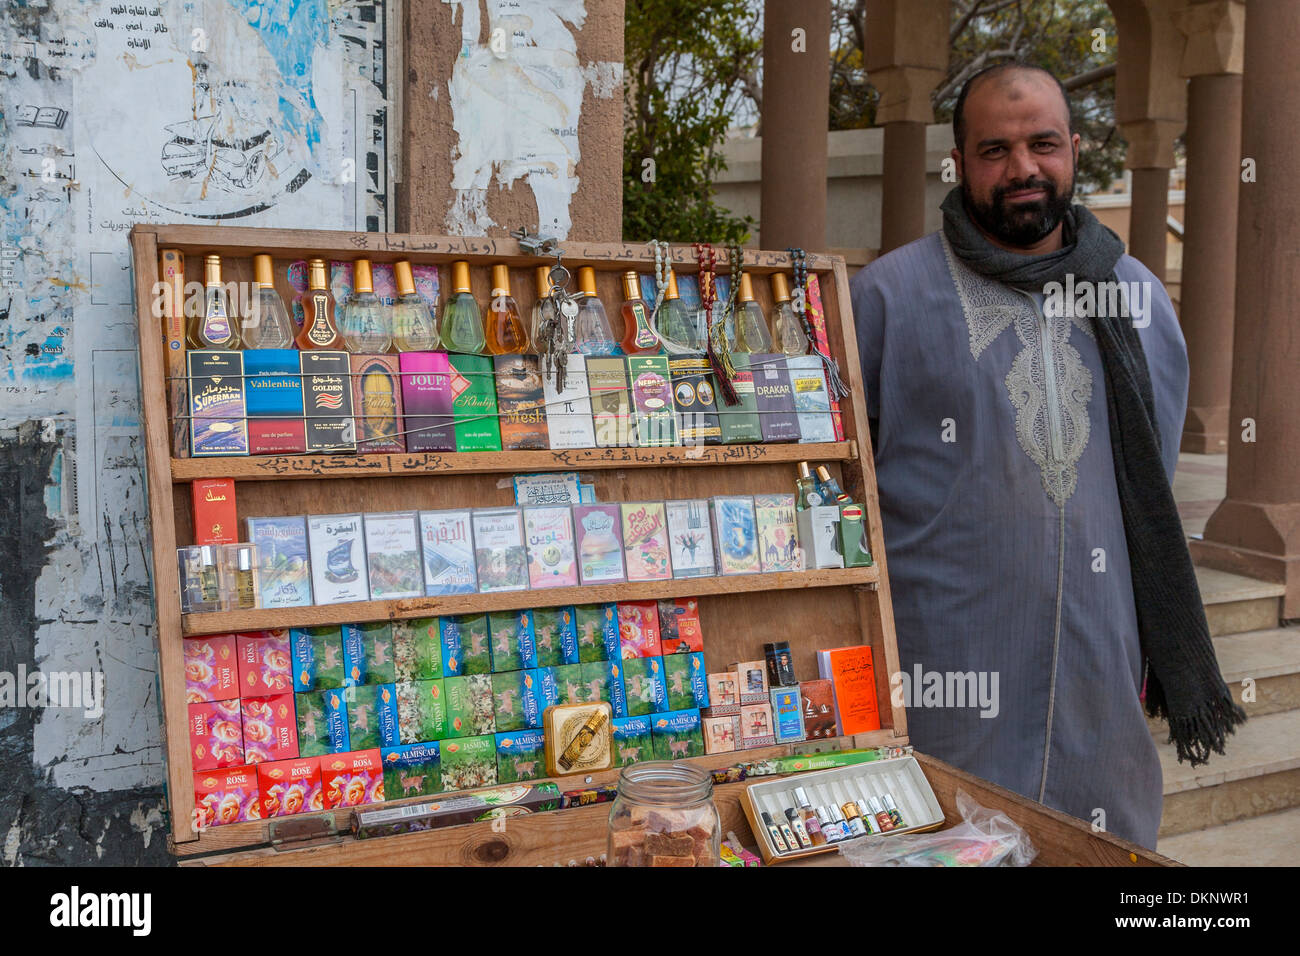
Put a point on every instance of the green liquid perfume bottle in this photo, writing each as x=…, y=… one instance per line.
x=676, y=327
x=462, y=319
x=366, y=325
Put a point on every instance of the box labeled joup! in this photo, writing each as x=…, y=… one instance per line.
x=677, y=735
x=352, y=779
x=290, y=786
x=412, y=770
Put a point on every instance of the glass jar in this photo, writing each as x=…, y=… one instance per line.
x=664, y=816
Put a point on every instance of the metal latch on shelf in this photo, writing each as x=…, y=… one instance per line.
x=302, y=832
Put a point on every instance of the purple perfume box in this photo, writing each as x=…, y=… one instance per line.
x=427, y=401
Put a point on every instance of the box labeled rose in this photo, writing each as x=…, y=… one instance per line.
x=226, y=796
x=216, y=734
x=638, y=629
x=290, y=786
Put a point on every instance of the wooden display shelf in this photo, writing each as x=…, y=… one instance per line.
x=316, y=615
x=281, y=467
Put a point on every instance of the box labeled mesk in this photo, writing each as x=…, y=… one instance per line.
x=412, y=770
x=677, y=735
x=213, y=501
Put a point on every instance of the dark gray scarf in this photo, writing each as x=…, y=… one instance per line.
x=1183, y=683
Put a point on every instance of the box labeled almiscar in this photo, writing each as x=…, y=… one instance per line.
x=412, y=770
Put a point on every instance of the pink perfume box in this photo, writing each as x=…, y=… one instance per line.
x=216, y=734
x=265, y=666
x=226, y=796
x=638, y=629
x=270, y=728
x=290, y=786
x=352, y=779
x=211, y=670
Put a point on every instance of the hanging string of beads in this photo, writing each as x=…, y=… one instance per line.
x=799, y=266
x=719, y=357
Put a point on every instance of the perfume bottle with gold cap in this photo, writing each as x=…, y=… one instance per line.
x=216, y=327
x=790, y=336
x=543, y=308
x=506, y=334
x=414, y=328
x=591, y=331
x=462, y=320
x=267, y=325
x=749, y=324
x=638, y=337
x=366, y=326
x=319, y=329
x=678, y=329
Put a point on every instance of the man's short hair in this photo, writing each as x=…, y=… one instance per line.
x=959, y=111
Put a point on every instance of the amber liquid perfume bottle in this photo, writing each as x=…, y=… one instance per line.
x=638, y=337
x=462, y=320
x=319, y=329
x=506, y=334
x=543, y=308
x=414, y=329
x=789, y=331
x=366, y=327
x=216, y=327
x=267, y=325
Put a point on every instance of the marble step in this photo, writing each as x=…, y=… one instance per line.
x=1235, y=604
x=1269, y=840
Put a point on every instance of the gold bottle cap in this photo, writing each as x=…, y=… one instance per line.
x=587, y=280
x=543, y=274
x=402, y=275
x=460, y=276
x=746, y=288
x=672, y=285
x=262, y=274
x=500, y=281
x=212, y=270
x=780, y=287
x=823, y=473
x=361, y=278
x=631, y=286
x=803, y=470
x=316, y=274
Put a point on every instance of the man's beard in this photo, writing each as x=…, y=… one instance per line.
x=1026, y=223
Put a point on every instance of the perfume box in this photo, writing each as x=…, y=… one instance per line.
x=540, y=691
x=521, y=402
x=514, y=645
x=787, y=714
x=521, y=755
x=638, y=629
x=756, y=726
x=735, y=534
x=817, y=319
x=853, y=536
x=394, y=556
x=778, y=542
x=417, y=649
x=270, y=728
x=632, y=740
x=643, y=685
x=290, y=786
x=508, y=701
x=427, y=401
x=372, y=716
x=684, y=677
x=720, y=733
x=679, y=627
x=211, y=668
x=421, y=711
x=610, y=404
x=753, y=681
x=597, y=626
x=568, y=410
x=695, y=399
x=645, y=541
x=615, y=687
x=465, y=645
x=690, y=538
x=499, y=550
x=469, y=705
x=469, y=762
x=817, y=698
x=819, y=536
x=551, y=488
x=474, y=403
x=214, y=511
x=600, y=543
x=548, y=531
x=775, y=398
x=354, y=656
x=322, y=722
x=264, y=663
x=273, y=395
x=352, y=779
x=412, y=770
x=724, y=693
x=377, y=649
x=338, y=558
x=447, y=546
x=218, y=426
x=677, y=735
x=568, y=679
x=284, y=572
x=317, y=654
x=556, y=636
x=327, y=401
x=226, y=796
x=216, y=734
x=652, y=400
x=377, y=398
x=278, y=436
x=739, y=422
x=812, y=401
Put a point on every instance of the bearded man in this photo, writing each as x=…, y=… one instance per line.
x=1026, y=383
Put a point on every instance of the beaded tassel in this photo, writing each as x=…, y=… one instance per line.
x=800, y=268
x=719, y=357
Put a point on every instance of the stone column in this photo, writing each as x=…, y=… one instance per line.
x=906, y=57
x=1212, y=60
x=796, y=108
x=1256, y=530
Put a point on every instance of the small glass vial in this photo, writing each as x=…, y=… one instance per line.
x=883, y=821
x=892, y=809
x=828, y=487
x=543, y=307
x=806, y=489
x=796, y=824
x=853, y=819
x=200, y=579
x=774, y=834
x=241, y=591
x=833, y=831
x=267, y=324
x=811, y=824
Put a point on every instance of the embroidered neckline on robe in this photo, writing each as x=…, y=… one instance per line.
x=990, y=308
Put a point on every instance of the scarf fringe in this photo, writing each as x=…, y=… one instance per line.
x=1202, y=731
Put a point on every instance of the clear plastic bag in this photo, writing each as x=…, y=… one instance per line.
x=984, y=838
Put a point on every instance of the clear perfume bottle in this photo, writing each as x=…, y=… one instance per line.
x=216, y=327
x=789, y=330
x=462, y=320
x=366, y=327
x=543, y=308
x=678, y=329
x=591, y=331
x=506, y=334
x=414, y=328
x=267, y=324
x=751, y=334
x=241, y=576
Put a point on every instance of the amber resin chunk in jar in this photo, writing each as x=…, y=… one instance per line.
x=664, y=815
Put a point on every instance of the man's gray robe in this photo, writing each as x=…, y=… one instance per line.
x=1003, y=534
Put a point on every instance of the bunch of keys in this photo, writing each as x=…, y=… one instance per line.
x=554, y=335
